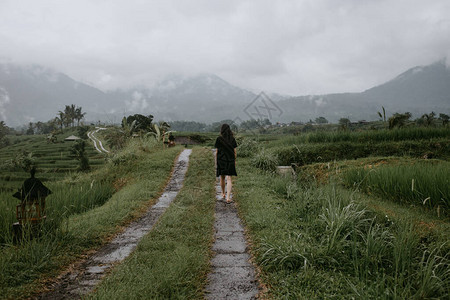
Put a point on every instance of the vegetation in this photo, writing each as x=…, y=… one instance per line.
x=315, y=242
x=365, y=216
x=82, y=213
x=423, y=184
x=176, y=253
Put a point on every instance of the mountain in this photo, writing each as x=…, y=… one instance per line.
x=35, y=93
x=205, y=98
x=419, y=90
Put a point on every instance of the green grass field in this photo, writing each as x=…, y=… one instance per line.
x=84, y=210
x=364, y=217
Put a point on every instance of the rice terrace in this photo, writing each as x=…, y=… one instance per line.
x=359, y=211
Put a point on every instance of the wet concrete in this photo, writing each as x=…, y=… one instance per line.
x=232, y=275
x=87, y=274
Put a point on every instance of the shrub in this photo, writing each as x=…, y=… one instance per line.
x=247, y=147
x=265, y=160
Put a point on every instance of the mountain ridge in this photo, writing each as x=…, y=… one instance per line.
x=206, y=97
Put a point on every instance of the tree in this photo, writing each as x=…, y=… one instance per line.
x=321, y=120
x=4, y=130
x=428, y=119
x=444, y=118
x=344, y=123
x=30, y=130
x=60, y=120
x=382, y=116
x=142, y=123
x=78, y=150
x=79, y=115
x=399, y=120
x=69, y=113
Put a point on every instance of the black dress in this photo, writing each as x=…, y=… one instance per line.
x=225, y=157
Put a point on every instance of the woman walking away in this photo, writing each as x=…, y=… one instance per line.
x=226, y=159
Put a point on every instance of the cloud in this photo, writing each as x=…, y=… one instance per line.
x=295, y=47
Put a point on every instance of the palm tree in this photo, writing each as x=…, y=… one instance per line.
x=61, y=119
x=428, y=118
x=79, y=115
x=68, y=114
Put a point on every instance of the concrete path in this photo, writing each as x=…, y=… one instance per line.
x=83, y=278
x=232, y=276
x=97, y=143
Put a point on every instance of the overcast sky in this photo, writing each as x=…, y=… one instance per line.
x=296, y=47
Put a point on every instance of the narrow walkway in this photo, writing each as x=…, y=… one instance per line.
x=96, y=140
x=232, y=276
x=84, y=277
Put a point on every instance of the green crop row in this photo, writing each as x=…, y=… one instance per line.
x=424, y=184
x=384, y=135
x=323, y=242
x=303, y=154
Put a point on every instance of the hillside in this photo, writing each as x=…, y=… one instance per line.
x=419, y=90
x=35, y=93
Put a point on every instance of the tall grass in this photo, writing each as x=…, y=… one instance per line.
x=322, y=242
x=423, y=184
x=307, y=153
x=81, y=213
x=384, y=135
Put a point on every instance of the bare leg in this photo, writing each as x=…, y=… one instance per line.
x=229, y=186
x=222, y=185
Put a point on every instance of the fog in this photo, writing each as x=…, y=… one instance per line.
x=289, y=47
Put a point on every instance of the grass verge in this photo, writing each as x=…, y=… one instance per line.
x=25, y=267
x=322, y=241
x=172, y=261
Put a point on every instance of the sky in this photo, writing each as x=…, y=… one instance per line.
x=291, y=47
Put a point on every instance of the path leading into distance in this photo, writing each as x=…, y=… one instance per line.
x=232, y=275
x=84, y=276
x=97, y=143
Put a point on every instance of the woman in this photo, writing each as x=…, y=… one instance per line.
x=226, y=159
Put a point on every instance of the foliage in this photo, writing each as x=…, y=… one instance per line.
x=265, y=160
x=78, y=150
x=344, y=123
x=23, y=160
x=247, y=147
x=321, y=120
x=323, y=242
x=82, y=215
x=399, y=120
x=141, y=123
x=422, y=184
x=444, y=118
x=82, y=132
x=172, y=260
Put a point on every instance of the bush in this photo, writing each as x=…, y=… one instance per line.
x=247, y=147
x=265, y=160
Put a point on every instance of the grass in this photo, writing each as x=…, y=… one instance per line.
x=172, y=261
x=322, y=241
x=425, y=183
x=88, y=224
x=51, y=159
x=308, y=153
x=383, y=135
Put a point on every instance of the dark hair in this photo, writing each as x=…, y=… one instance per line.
x=226, y=133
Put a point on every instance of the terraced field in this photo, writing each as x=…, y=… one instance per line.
x=53, y=160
